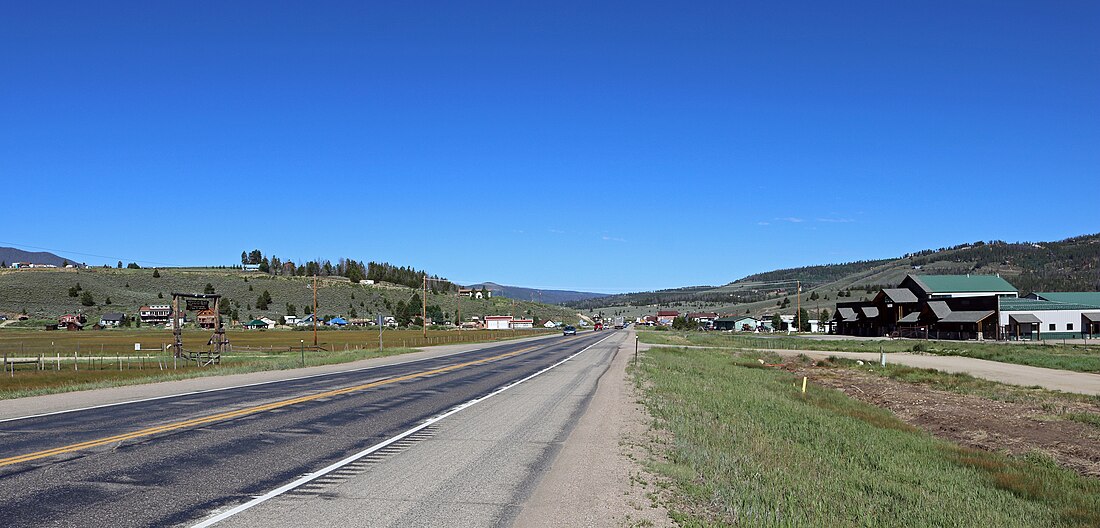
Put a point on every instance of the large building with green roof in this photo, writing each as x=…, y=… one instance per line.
x=956, y=286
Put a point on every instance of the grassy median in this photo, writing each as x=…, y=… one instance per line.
x=1079, y=358
x=747, y=448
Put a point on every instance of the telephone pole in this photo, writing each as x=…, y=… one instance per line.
x=314, y=311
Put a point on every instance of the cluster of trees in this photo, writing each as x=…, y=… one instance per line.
x=354, y=270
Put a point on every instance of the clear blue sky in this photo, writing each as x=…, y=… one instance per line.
x=623, y=147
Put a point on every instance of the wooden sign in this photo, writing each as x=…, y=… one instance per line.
x=194, y=305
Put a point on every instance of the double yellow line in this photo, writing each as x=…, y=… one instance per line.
x=244, y=412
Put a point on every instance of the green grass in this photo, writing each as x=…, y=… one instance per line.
x=1079, y=358
x=107, y=374
x=748, y=449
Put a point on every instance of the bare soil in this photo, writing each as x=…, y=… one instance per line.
x=1011, y=427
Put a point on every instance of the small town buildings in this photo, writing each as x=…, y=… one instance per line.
x=550, y=324
x=251, y=267
x=1032, y=319
x=338, y=322
x=255, y=324
x=290, y=320
x=112, y=319
x=498, y=322
x=475, y=294
x=72, y=321
x=306, y=321
x=206, y=318
x=155, y=314
x=927, y=287
x=703, y=319
x=665, y=317
x=522, y=324
x=736, y=323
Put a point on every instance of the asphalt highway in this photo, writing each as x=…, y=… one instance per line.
x=177, y=460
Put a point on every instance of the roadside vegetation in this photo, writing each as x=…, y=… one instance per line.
x=745, y=447
x=73, y=361
x=1079, y=358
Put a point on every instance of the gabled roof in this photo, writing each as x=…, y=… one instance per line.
x=966, y=316
x=911, y=318
x=667, y=313
x=939, y=308
x=735, y=318
x=845, y=314
x=962, y=283
x=113, y=316
x=900, y=295
x=869, y=312
x=1087, y=298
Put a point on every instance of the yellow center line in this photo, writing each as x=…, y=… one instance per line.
x=244, y=412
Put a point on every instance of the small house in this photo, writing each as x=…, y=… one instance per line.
x=665, y=317
x=206, y=318
x=498, y=322
x=112, y=319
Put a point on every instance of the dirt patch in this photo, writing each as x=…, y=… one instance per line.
x=1014, y=427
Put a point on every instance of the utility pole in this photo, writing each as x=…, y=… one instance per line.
x=315, y=311
x=798, y=308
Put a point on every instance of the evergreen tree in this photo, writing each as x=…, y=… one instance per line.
x=244, y=257
x=86, y=299
x=777, y=323
x=107, y=301
x=208, y=289
x=291, y=309
x=133, y=265
x=263, y=301
x=156, y=273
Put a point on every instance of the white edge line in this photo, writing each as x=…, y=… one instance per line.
x=296, y=378
x=337, y=465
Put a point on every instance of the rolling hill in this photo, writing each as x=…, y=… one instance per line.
x=44, y=294
x=1072, y=264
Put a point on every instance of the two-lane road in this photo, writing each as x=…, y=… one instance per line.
x=176, y=460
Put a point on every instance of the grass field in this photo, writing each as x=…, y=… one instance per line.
x=747, y=448
x=1080, y=358
x=107, y=358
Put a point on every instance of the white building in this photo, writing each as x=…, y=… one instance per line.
x=1034, y=319
x=498, y=322
x=291, y=320
x=523, y=323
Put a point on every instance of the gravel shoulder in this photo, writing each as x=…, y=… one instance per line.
x=597, y=479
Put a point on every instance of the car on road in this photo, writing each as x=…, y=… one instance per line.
x=569, y=330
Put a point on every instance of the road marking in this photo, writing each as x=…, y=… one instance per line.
x=297, y=378
x=247, y=411
x=309, y=477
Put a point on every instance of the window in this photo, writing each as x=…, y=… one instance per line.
x=1052, y=327
x=1069, y=326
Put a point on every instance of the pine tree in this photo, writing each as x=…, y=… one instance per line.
x=208, y=289
x=156, y=273
x=86, y=299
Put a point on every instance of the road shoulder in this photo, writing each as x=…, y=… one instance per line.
x=596, y=478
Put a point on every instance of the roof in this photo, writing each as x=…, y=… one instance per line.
x=911, y=318
x=1034, y=305
x=255, y=322
x=696, y=315
x=1089, y=298
x=966, y=316
x=666, y=313
x=734, y=318
x=963, y=283
x=113, y=316
x=900, y=295
x=846, y=314
x=1093, y=317
x=497, y=317
x=337, y=320
x=939, y=308
x=1024, y=318
x=869, y=312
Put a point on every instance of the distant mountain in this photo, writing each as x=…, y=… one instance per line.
x=10, y=254
x=531, y=294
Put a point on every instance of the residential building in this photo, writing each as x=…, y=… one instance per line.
x=112, y=319
x=155, y=314
x=72, y=321
x=290, y=320
x=665, y=317
x=271, y=323
x=736, y=323
x=206, y=318
x=704, y=319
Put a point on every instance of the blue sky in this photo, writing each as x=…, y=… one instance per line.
x=620, y=147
